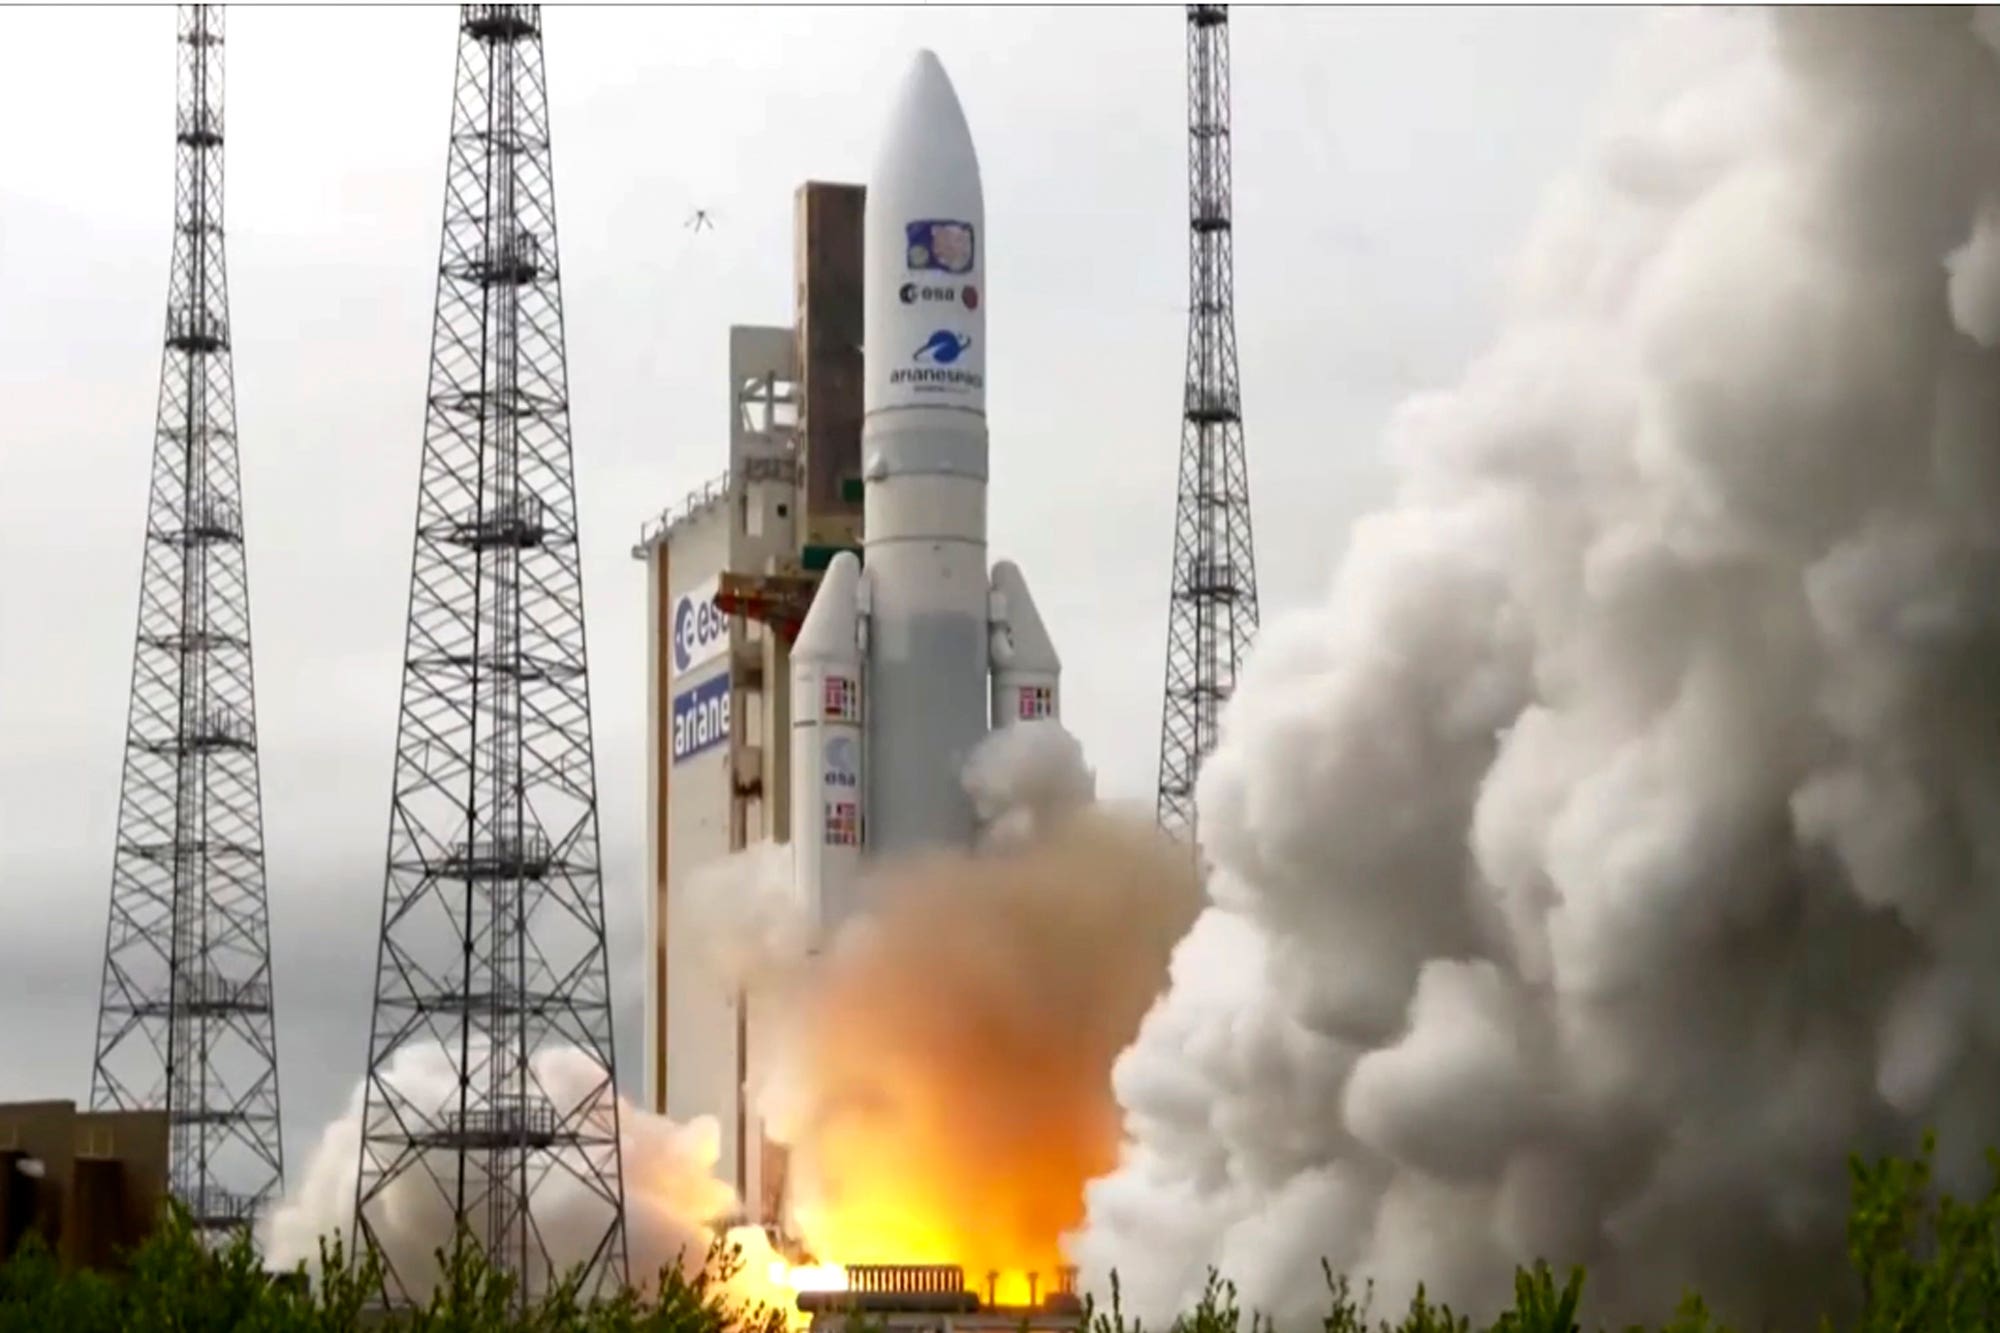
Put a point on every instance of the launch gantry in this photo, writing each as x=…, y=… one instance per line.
x=185, y=1017
x=1212, y=606
x=493, y=957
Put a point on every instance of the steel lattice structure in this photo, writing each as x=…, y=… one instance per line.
x=493, y=953
x=1212, y=609
x=185, y=1015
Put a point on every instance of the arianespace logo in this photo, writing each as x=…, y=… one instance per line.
x=701, y=631
x=934, y=365
x=840, y=767
x=943, y=347
x=701, y=717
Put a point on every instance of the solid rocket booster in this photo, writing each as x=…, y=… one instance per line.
x=938, y=651
x=826, y=741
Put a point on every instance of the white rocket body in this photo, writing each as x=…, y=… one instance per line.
x=945, y=651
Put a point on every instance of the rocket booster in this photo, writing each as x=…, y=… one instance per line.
x=943, y=650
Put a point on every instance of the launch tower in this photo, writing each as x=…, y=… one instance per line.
x=492, y=959
x=184, y=1014
x=1212, y=608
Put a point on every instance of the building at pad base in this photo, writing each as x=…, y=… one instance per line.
x=92, y=1184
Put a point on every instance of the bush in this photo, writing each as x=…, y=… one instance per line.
x=1920, y=1262
x=175, y=1284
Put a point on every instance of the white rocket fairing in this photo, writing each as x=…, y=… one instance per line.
x=910, y=655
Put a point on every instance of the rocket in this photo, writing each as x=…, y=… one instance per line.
x=911, y=654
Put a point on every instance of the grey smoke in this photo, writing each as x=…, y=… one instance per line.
x=1618, y=847
x=1025, y=779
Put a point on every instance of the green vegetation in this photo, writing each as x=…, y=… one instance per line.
x=1919, y=1262
x=174, y=1284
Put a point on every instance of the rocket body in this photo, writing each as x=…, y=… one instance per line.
x=945, y=650
x=923, y=458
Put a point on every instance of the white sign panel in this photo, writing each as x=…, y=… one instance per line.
x=701, y=717
x=700, y=629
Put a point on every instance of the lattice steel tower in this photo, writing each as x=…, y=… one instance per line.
x=1212, y=610
x=492, y=967
x=184, y=1017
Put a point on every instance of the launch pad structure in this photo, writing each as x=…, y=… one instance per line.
x=934, y=1298
x=731, y=573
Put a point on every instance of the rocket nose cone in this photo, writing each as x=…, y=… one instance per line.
x=928, y=125
x=927, y=71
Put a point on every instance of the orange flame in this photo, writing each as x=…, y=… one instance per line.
x=955, y=1055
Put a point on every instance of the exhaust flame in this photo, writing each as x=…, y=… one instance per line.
x=801, y=1278
x=946, y=1088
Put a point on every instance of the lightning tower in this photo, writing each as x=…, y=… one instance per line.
x=490, y=1083
x=1212, y=608
x=184, y=1018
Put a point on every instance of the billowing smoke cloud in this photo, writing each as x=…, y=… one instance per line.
x=940, y=1071
x=673, y=1198
x=1025, y=780
x=1616, y=850
x=753, y=928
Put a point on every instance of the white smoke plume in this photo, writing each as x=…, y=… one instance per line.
x=1026, y=779
x=1100, y=904
x=1616, y=850
x=744, y=908
x=673, y=1200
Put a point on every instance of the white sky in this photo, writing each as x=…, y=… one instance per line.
x=1387, y=162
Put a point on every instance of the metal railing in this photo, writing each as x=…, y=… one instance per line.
x=196, y=327
x=516, y=857
x=697, y=501
x=508, y=1120
x=199, y=124
x=906, y=1279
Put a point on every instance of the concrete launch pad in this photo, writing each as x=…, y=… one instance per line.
x=934, y=1298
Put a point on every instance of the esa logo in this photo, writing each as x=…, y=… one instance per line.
x=701, y=717
x=914, y=293
x=840, y=768
x=701, y=630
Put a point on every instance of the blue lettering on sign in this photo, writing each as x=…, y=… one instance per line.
x=701, y=717
x=701, y=630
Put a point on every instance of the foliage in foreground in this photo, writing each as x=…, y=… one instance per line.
x=1919, y=1262
x=175, y=1284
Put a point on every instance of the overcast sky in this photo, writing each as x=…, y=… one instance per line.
x=1387, y=161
